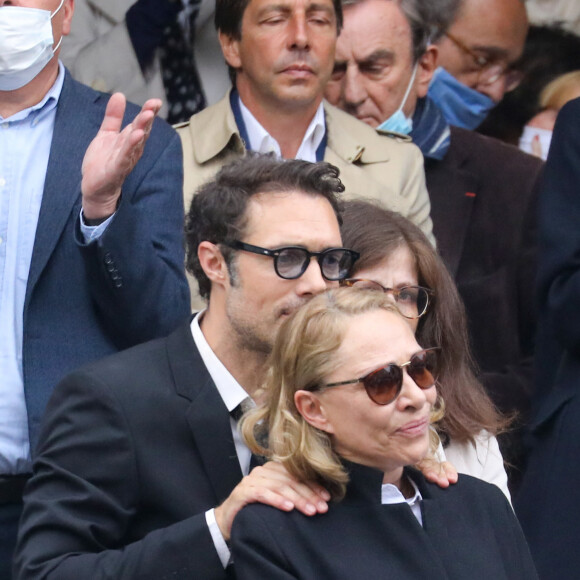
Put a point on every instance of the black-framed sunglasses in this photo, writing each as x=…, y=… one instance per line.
x=384, y=385
x=292, y=261
x=412, y=301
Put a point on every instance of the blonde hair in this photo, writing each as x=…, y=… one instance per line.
x=561, y=90
x=302, y=356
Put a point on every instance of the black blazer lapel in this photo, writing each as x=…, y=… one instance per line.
x=206, y=413
x=76, y=123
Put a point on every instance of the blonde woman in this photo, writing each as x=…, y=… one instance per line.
x=348, y=403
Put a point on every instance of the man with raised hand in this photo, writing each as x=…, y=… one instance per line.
x=90, y=251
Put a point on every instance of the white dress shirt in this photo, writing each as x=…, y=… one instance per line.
x=391, y=494
x=262, y=142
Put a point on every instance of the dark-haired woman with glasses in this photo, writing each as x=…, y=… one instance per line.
x=397, y=259
x=348, y=403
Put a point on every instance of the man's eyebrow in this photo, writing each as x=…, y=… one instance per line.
x=320, y=8
x=280, y=7
x=283, y=7
x=379, y=54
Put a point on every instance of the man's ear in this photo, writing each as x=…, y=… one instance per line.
x=213, y=263
x=231, y=50
x=312, y=410
x=426, y=67
x=68, y=8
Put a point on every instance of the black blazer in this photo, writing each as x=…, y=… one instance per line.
x=133, y=450
x=549, y=500
x=469, y=532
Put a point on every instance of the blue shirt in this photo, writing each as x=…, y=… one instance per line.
x=25, y=141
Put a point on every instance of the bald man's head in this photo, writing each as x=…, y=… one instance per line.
x=485, y=34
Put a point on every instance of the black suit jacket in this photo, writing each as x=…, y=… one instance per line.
x=469, y=531
x=549, y=500
x=133, y=450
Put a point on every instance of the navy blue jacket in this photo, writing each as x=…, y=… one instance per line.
x=86, y=301
x=548, y=503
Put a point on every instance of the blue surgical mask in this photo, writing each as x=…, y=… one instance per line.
x=461, y=105
x=398, y=122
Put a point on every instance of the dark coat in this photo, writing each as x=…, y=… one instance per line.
x=480, y=194
x=134, y=450
x=483, y=208
x=549, y=500
x=469, y=532
x=82, y=301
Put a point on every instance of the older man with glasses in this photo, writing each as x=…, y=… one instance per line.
x=477, y=54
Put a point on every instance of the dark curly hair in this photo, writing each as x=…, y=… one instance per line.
x=218, y=210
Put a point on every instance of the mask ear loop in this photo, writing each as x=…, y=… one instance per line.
x=57, y=10
x=61, y=36
x=408, y=88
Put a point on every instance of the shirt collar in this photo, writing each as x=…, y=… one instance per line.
x=391, y=494
x=46, y=105
x=262, y=142
x=229, y=389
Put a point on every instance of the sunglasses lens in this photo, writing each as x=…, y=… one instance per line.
x=336, y=264
x=383, y=385
x=291, y=263
x=422, y=368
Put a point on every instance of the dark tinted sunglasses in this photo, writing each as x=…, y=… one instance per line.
x=384, y=385
x=291, y=262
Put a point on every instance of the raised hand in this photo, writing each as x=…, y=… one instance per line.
x=112, y=155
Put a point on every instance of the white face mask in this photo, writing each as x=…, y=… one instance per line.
x=26, y=44
x=536, y=141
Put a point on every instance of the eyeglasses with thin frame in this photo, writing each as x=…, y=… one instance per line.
x=489, y=72
x=384, y=385
x=411, y=301
x=292, y=261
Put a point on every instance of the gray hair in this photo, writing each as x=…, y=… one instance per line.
x=428, y=19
